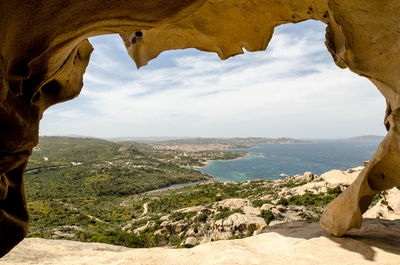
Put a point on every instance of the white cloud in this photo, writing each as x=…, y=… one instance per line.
x=294, y=89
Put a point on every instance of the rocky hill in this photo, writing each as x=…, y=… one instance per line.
x=192, y=215
x=262, y=204
x=77, y=189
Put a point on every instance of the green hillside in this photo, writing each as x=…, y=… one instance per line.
x=84, y=184
x=93, y=190
x=62, y=166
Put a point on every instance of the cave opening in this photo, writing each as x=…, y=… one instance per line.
x=43, y=64
x=293, y=89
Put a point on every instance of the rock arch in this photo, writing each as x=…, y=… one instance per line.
x=44, y=53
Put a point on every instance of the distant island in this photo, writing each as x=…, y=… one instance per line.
x=218, y=143
x=364, y=138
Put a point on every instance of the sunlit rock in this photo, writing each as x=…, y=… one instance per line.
x=44, y=53
x=287, y=244
x=388, y=207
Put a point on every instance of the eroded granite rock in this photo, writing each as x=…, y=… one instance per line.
x=44, y=53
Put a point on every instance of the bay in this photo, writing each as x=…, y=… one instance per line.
x=273, y=161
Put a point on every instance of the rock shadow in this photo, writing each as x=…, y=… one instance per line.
x=374, y=233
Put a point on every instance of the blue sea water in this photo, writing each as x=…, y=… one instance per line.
x=269, y=161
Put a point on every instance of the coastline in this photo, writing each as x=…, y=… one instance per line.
x=206, y=163
x=192, y=183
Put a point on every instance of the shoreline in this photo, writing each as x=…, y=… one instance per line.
x=216, y=180
x=206, y=163
x=192, y=183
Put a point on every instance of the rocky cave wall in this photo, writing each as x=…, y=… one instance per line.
x=44, y=52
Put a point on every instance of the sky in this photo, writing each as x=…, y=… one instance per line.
x=293, y=89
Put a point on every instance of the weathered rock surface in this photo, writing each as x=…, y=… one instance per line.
x=312, y=187
x=378, y=242
x=315, y=184
x=43, y=63
x=190, y=241
x=234, y=203
x=336, y=177
x=243, y=223
x=388, y=207
x=239, y=219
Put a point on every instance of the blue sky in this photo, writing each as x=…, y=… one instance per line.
x=293, y=89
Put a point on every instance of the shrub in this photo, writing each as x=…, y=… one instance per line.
x=335, y=191
x=292, y=184
x=283, y=201
x=218, y=198
x=177, y=216
x=202, y=218
x=258, y=203
x=226, y=212
x=267, y=215
x=114, y=237
x=309, y=199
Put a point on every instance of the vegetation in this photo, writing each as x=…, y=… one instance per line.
x=88, y=189
x=177, y=216
x=93, y=190
x=291, y=184
x=267, y=215
x=194, y=159
x=60, y=166
x=85, y=215
x=283, y=201
x=226, y=212
x=258, y=203
x=310, y=199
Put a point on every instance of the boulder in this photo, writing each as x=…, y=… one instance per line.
x=192, y=209
x=250, y=210
x=233, y=203
x=190, y=232
x=281, y=208
x=173, y=227
x=313, y=187
x=277, y=214
x=190, y=241
x=388, y=207
x=205, y=239
x=221, y=235
x=149, y=224
x=307, y=176
x=245, y=223
x=267, y=206
x=336, y=177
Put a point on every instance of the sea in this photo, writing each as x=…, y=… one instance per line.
x=276, y=161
